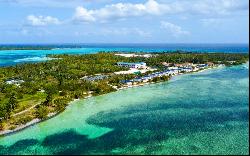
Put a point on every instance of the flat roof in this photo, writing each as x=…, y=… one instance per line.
x=131, y=62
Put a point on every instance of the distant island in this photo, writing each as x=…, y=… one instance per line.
x=33, y=92
x=25, y=48
x=36, y=47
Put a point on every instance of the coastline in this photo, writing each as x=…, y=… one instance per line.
x=31, y=123
x=147, y=83
x=51, y=115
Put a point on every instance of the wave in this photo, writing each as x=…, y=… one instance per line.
x=34, y=59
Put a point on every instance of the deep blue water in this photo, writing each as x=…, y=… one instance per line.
x=12, y=57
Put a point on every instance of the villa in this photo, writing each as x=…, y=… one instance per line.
x=167, y=64
x=135, y=55
x=170, y=70
x=132, y=65
x=94, y=78
x=15, y=82
x=202, y=66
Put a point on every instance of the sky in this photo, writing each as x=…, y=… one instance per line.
x=124, y=21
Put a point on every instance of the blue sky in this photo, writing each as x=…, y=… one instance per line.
x=124, y=21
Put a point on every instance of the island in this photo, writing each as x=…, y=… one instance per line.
x=33, y=92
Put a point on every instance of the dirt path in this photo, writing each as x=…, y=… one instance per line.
x=24, y=111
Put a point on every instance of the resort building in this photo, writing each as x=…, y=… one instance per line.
x=15, y=82
x=132, y=65
x=135, y=55
x=211, y=64
x=94, y=78
x=167, y=64
x=202, y=66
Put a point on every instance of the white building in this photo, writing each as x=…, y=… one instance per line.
x=135, y=55
x=132, y=65
x=15, y=82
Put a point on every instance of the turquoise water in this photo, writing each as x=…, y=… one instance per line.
x=201, y=113
x=12, y=57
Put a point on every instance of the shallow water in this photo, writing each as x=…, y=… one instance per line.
x=201, y=113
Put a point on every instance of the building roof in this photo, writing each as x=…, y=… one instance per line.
x=131, y=63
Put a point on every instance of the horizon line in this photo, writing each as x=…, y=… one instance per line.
x=110, y=43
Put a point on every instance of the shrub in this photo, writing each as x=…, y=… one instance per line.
x=60, y=104
x=42, y=112
x=24, y=120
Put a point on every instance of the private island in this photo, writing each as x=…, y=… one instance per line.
x=33, y=92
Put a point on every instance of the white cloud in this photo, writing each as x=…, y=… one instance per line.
x=124, y=31
x=173, y=29
x=83, y=15
x=42, y=20
x=47, y=3
x=153, y=7
x=114, y=31
x=119, y=11
x=220, y=6
x=211, y=21
x=142, y=32
x=24, y=32
x=180, y=5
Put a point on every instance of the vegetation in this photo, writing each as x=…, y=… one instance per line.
x=42, y=112
x=50, y=86
x=163, y=78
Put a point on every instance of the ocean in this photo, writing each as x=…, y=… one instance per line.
x=13, y=57
x=199, y=113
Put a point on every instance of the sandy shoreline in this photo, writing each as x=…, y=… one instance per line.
x=35, y=121
x=28, y=124
x=146, y=83
x=31, y=123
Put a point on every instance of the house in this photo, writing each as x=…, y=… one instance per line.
x=187, y=64
x=135, y=55
x=167, y=64
x=145, y=80
x=173, y=68
x=94, y=78
x=231, y=62
x=129, y=83
x=137, y=80
x=178, y=65
x=132, y=65
x=202, y=66
x=187, y=69
x=15, y=82
x=210, y=63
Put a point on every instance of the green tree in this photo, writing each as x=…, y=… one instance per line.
x=10, y=105
x=42, y=112
x=2, y=125
x=60, y=104
x=48, y=100
x=13, y=101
